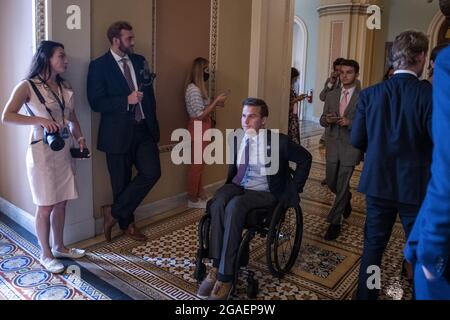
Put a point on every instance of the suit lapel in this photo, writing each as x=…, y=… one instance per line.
x=117, y=71
x=352, y=103
x=337, y=98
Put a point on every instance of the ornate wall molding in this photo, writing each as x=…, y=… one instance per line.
x=433, y=33
x=154, y=34
x=345, y=8
x=213, y=50
x=336, y=42
x=40, y=18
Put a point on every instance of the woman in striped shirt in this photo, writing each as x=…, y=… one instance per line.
x=199, y=108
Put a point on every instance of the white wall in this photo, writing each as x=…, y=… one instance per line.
x=307, y=11
x=80, y=222
x=15, y=57
x=407, y=14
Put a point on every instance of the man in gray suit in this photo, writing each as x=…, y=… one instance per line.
x=341, y=157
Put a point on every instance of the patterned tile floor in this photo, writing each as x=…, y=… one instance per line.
x=162, y=268
x=23, y=278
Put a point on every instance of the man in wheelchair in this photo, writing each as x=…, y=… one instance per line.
x=249, y=186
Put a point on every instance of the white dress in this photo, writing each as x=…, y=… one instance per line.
x=51, y=174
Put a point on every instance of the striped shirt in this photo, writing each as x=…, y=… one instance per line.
x=195, y=104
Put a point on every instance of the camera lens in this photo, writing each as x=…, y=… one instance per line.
x=55, y=141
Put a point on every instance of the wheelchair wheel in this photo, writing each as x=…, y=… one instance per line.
x=200, y=271
x=203, y=232
x=252, y=287
x=203, y=247
x=284, y=240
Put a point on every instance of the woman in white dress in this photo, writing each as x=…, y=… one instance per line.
x=49, y=103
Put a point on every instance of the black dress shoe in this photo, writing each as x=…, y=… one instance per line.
x=348, y=208
x=348, y=211
x=333, y=232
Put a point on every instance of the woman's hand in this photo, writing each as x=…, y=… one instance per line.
x=82, y=144
x=49, y=125
x=300, y=98
x=220, y=100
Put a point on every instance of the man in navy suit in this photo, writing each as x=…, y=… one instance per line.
x=120, y=87
x=393, y=127
x=428, y=246
x=251, y=184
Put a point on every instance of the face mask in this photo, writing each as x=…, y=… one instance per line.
x=206, y=76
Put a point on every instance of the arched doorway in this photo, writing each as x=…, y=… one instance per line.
x=444, y=33
x=438, y=32
x=299, y=56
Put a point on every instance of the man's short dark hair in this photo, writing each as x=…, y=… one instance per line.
x=351, y=63
x=116, y=28
x=338, y=62
x=254, y=102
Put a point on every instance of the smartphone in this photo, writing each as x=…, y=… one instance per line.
x=77, y=154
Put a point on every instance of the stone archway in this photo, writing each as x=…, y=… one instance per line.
x=433, y=32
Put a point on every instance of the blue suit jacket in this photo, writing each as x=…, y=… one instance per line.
x=108, y=92
x=393, y=126
x=429, y=242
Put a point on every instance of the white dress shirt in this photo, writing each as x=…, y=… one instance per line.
x=406, y=71
x=254, y=178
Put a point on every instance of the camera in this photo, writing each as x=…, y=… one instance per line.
x=54, y=140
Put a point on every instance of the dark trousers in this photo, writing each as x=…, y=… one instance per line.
x=228, y=210
x=130, y=192
x=338, y=180
x=381, y=217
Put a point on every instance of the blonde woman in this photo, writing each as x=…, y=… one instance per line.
x=199, y=108
x=49, y=102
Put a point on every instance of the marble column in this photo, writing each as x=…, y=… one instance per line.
x=343, y=32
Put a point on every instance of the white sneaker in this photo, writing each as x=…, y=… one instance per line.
x=52, y=265
x=200, y=204
x=72, y=254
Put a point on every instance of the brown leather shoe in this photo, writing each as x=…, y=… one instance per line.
x=108, y=222
x=221, y=291
x=134, y=233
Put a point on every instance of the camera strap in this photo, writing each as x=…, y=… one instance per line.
x=40, y=98
x=61, y=102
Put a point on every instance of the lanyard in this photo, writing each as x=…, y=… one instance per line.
x=61, y=103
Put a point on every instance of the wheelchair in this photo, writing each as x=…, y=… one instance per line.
x=281, y=226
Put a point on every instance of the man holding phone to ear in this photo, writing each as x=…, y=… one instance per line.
x=341, y=156
x=121, y=89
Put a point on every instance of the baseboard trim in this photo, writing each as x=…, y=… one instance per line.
x=19, y=216
x=154, y=209
x=81, y=232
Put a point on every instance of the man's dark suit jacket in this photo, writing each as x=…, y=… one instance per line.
x=281, y=185
x=393, y=126
x=429, y=241
x=108, y=92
